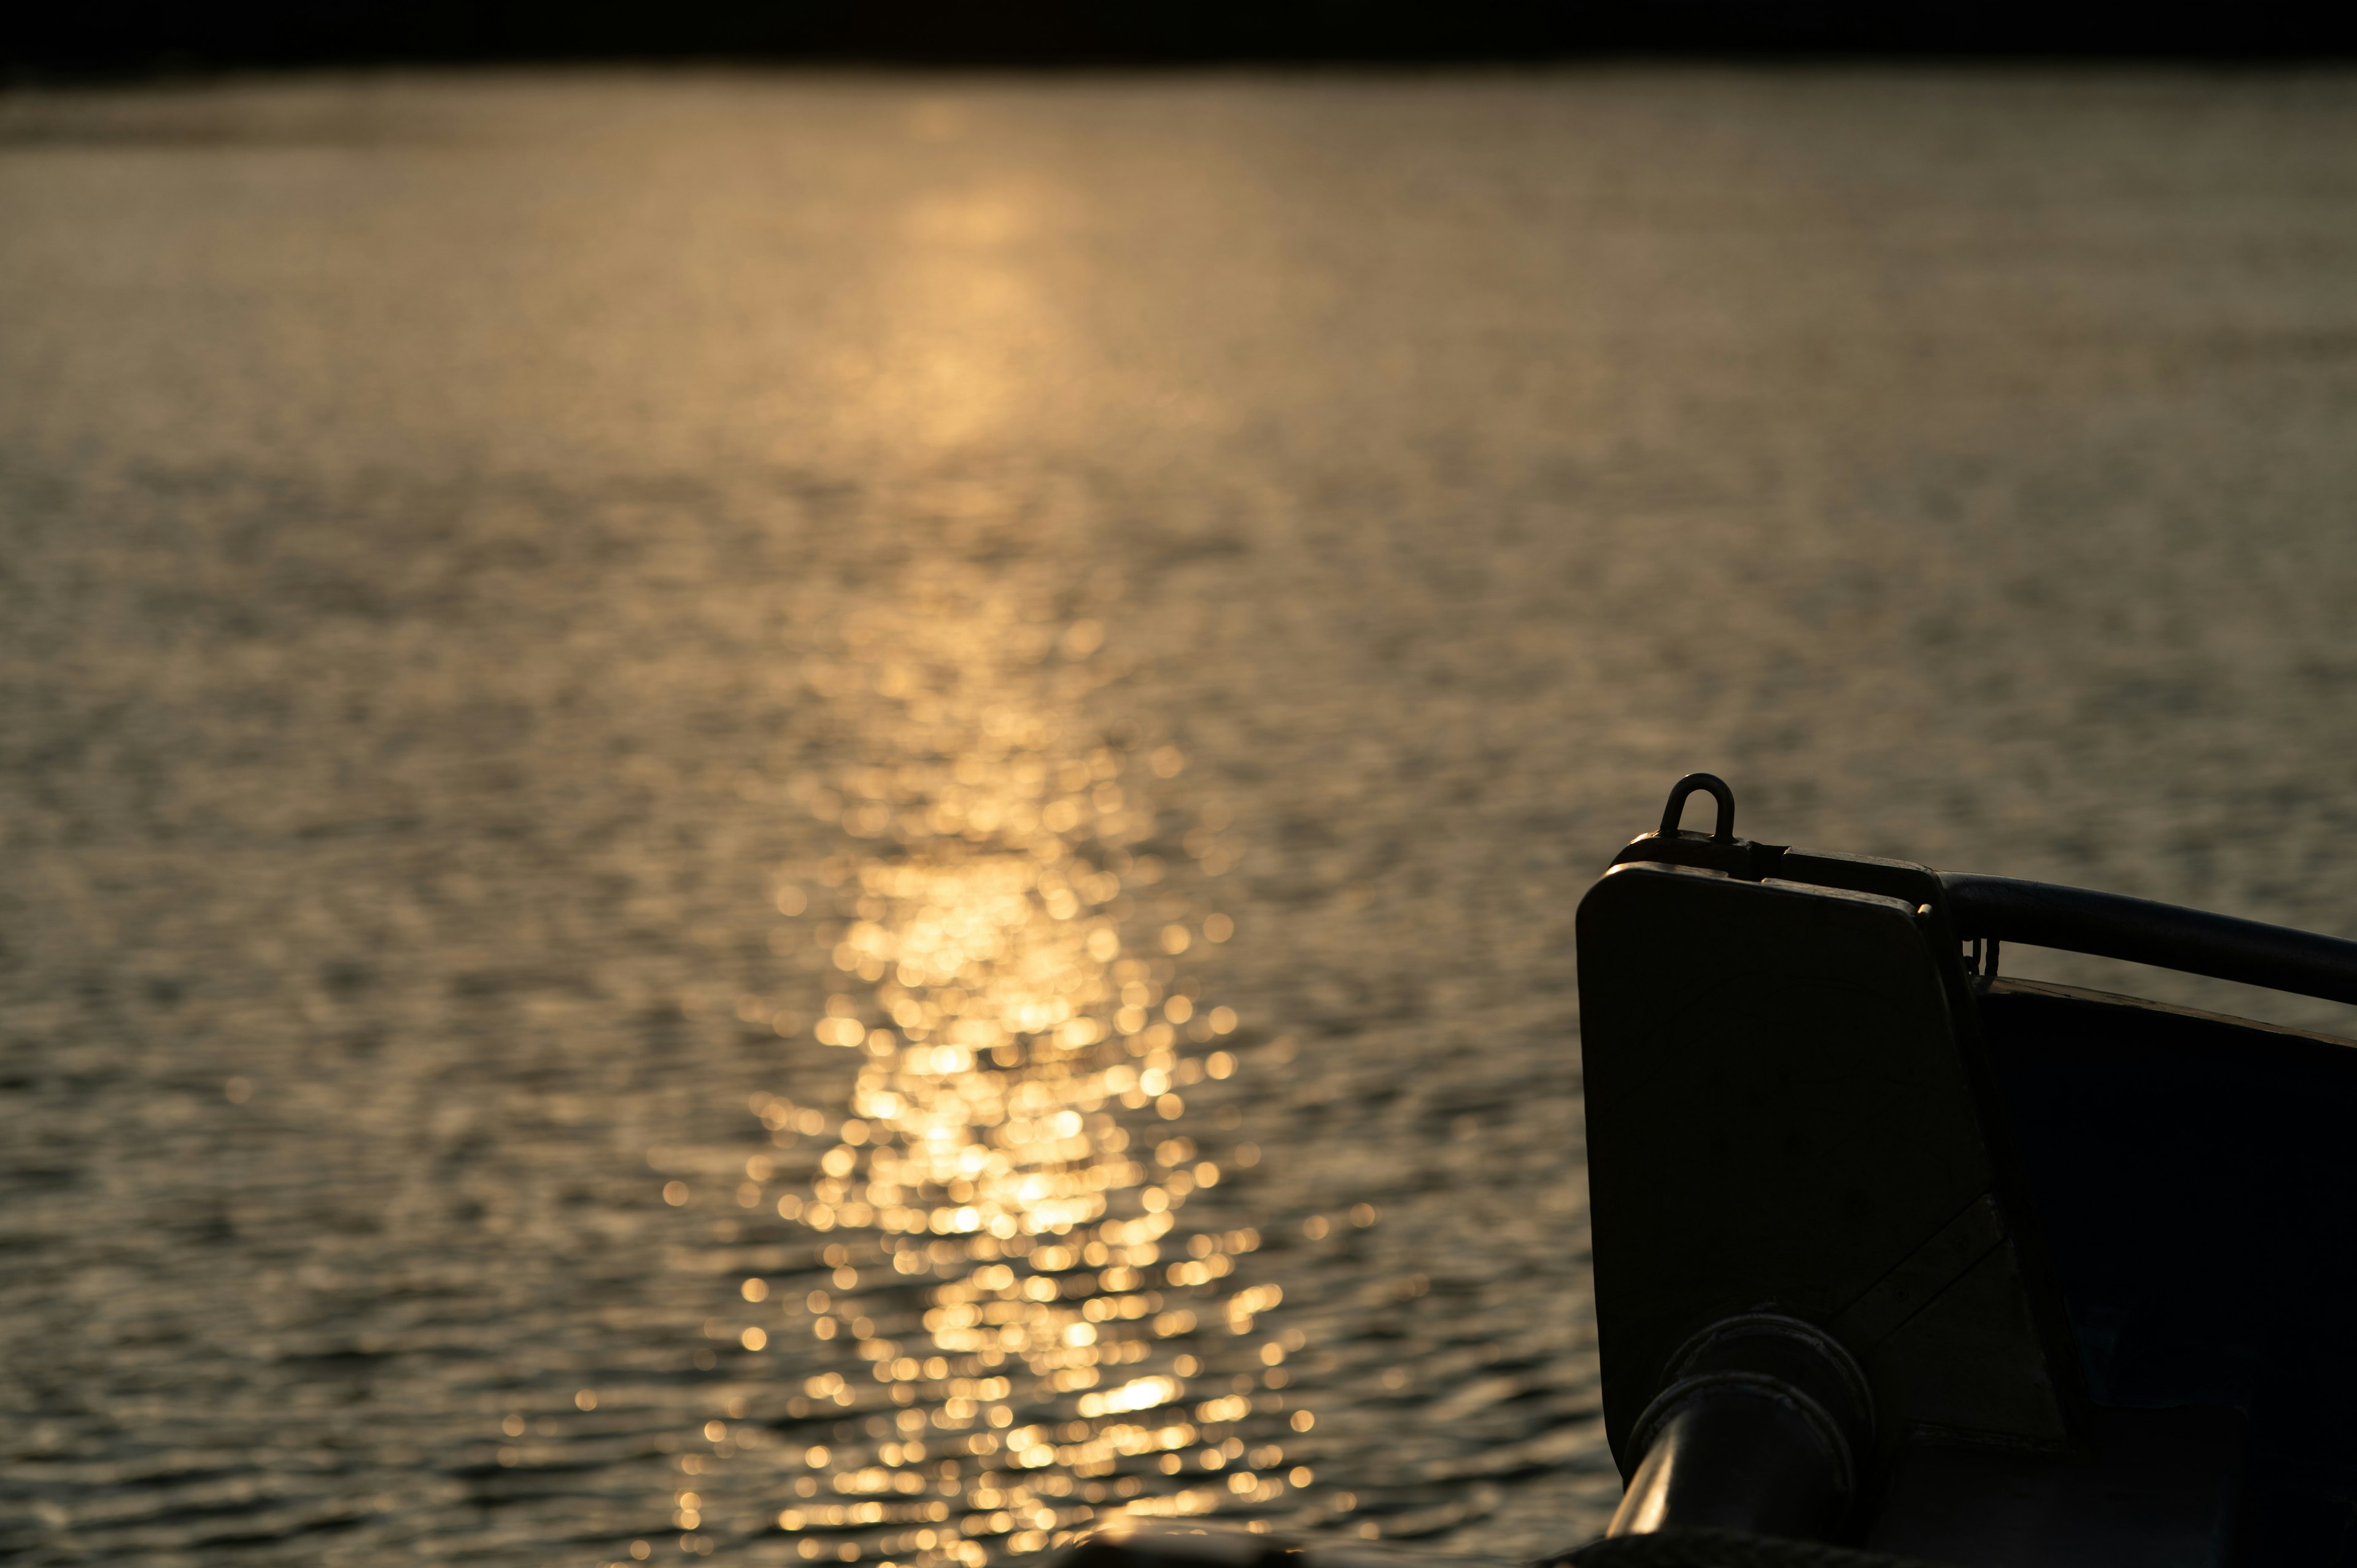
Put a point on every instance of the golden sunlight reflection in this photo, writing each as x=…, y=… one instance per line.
x=974, y=338
x=1038, y=1338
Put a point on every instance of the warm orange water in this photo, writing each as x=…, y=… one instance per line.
x=824, y=819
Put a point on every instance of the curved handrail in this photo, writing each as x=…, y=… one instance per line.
x=2111, y=925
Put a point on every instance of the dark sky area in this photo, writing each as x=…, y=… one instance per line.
x=138, y=35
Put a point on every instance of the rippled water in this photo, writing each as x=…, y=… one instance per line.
x=835, y=819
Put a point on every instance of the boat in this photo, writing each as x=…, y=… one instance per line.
x=1901, y=1259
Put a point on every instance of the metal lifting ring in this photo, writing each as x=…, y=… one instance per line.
x=1723, y=832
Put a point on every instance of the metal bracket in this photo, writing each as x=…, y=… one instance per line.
x=1723, y=830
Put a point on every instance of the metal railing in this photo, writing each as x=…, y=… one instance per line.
x=2109, y=925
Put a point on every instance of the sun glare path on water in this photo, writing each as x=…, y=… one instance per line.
x=1039, y=1340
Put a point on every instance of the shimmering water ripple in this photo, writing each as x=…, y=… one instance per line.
x=831, y=820
x=1036, y=1333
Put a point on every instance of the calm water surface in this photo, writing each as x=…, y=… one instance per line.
x=824, y=819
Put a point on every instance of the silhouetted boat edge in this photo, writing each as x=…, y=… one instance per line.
x=1891, y=1251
